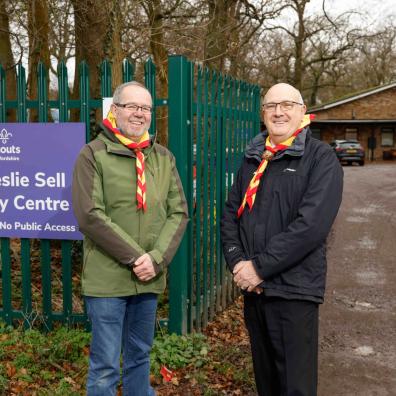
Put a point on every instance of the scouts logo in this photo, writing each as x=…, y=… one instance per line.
x=5, y=136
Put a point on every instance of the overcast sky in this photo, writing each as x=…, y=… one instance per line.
x=375, y=10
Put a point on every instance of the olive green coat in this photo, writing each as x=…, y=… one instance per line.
x=116, y=233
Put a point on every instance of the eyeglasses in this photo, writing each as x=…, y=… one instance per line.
x=132, y=107
x=286, y=105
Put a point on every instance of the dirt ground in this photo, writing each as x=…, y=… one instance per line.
x=358, y=318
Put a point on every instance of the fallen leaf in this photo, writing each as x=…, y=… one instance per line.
x=11, y=370
x=175, y=381
x=69, y=380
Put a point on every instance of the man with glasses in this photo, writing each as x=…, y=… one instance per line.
x=130, y=205
x=274, y=229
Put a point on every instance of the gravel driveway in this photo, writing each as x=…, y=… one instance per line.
x=358, y=318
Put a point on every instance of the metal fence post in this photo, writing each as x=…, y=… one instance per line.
x=180, y=143
x=149, y=80
x=45, y=244
x=257, y=108
x=25, y=243
x=105, y=79
x=128, y=70
x=85, y=109
x=5, y=258
x=3, y=84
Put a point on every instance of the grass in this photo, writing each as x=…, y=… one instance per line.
x=53, y=363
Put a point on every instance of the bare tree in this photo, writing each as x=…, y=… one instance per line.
x=378, y=57
x=317, y=41
x=157, y=11
x=61, y=28
x=260, y=41
x=38, y=32
x=231, y=25
x=97, y=37
x=6, y=56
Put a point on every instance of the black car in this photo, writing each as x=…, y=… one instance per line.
x=349, y=151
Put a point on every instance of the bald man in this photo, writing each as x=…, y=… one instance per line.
x=274, y=228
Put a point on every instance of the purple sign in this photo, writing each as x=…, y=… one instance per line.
x=36, y=167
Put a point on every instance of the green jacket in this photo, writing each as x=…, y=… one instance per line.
x=116, y=233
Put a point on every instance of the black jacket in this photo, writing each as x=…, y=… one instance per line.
x=285, y=233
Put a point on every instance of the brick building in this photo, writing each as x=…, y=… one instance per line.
x=369, y=117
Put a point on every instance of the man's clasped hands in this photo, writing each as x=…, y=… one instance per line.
x=245, y=277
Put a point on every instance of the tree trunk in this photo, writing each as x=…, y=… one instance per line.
x=158, y=50
x=112, y=47
x=38, y=28
x=6, y=58
x=217, y=38
x=98, y=37
x=97, y=33
x=299, y=43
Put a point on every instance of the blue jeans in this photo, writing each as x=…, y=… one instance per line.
x=127, y=324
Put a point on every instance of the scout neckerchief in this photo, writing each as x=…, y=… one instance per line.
x=269, y=152
x=143, y=142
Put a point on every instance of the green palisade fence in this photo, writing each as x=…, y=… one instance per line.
x=211, y=119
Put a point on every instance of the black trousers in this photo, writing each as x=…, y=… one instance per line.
x=284, y=342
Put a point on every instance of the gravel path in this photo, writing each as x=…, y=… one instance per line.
x=358, y=318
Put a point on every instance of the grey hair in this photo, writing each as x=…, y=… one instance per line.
x=118, y=91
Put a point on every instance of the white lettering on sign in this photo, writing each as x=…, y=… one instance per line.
x=14, y=179
x=22, y=203
x=5, y=226
x=10, y=150
x=3, y=205
x=27, y=226
x=60, y=228
x=42, y=180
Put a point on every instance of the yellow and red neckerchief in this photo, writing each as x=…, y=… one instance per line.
x=143, y=142
x=269, y=152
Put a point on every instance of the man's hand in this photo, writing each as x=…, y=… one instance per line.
x=245, y=276
x=144, y=268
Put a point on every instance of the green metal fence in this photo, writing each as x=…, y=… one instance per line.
x=211, y=118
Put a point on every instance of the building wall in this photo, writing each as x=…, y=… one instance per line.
x=381, y=106
x=331, y=132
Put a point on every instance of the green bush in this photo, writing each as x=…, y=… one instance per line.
x=175, y=351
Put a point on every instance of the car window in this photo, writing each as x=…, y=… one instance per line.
x=350, y=145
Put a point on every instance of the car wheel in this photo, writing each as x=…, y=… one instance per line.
x=361, y=163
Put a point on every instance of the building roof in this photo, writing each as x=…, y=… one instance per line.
x=354, y=121
x=354, y=96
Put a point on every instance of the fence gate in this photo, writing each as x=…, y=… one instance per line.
x=211, y=119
